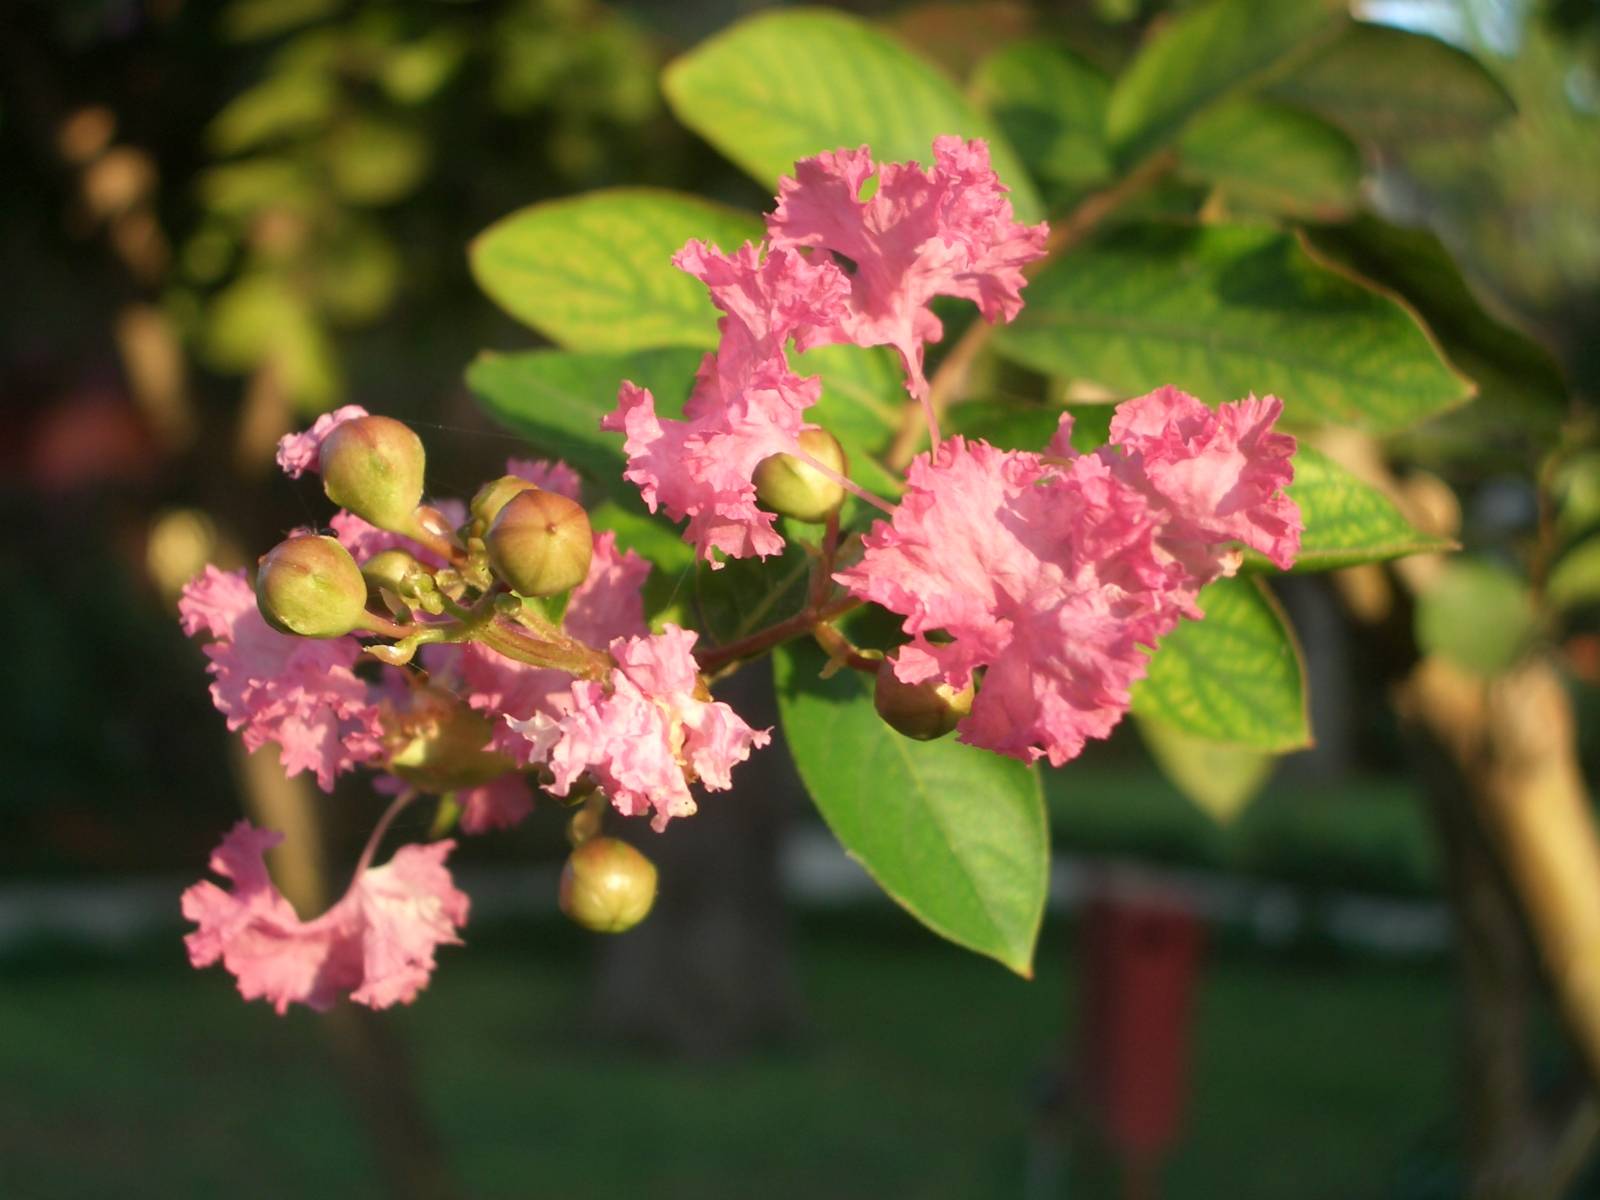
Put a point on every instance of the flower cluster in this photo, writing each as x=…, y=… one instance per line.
x=947, y=231
x=476, y=650
x=399, y=645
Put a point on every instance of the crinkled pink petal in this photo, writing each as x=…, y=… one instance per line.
x=375, y=945
x=544, y=473
x=1222, y=472
x=646, y=732
x=609, y=603
x=499, y=804
x=300, y=693
x=1056, y=577
x=299, y=452
x=747, y=404
x=948, y=231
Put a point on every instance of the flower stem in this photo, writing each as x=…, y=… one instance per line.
x=396, y=807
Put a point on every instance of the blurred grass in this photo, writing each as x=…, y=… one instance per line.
x=918, y=1077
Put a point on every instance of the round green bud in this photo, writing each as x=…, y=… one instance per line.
x=791, y=487
x=540, y=543
x=923, y=711
x=394, y=570
x=607, y=886
x=492, y=497
x=373, y=466
x=310, y=586
x=439, y=745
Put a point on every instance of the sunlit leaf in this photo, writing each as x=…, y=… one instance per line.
x=1220, y=779
x=782, y=86
x=1234, y=677
x=955, y=835
x=1274, y=156
x=1224, y=311
x=1051, y=104
x=595, y=273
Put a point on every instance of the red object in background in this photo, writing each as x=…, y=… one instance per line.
x=1142, y=959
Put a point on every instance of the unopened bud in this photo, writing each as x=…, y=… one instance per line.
x=919, y=710
x=396, y=571
x=373, y=466
x=607, y=886
x=540, y=543
x=492, y=497
x=439, y=745
x=792, y=487
x=310, y=586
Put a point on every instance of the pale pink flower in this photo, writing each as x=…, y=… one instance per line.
x=550, y=475
x=646, y=733
x=299, y=452
x=499, y=804
x=747, y=403
x=948, y=231
x=300, y=693
x=376, y=945
x=1055, y=577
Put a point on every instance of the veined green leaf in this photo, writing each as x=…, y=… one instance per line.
x=1235, y=677
x=955, y=835
x=1211, y=51
x=594, y=273
x=1223, y=311
x=1347, y=521
x=782, y=86
x=1274, y=156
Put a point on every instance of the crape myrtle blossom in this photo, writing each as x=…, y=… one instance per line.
x=646, y=732
x=376, y=945
x=298, y=452
x=948, y=231
x=747, y=403
x=301, y=693
x=1054, y=572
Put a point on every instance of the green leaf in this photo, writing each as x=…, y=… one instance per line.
x=595, y=273
x=1522, y=397
x=1478, y=615
x=1396, y=88
x=1218, y=778
x=1223, y=311
x=1052, y=105
x=956, y=836
x=746, y=594
x=1347, y=521
x=1212, y=51
x=556, y=398
x=1575, y=579
x=863, y=398
x=1275, y=157
x=1009, y=424
x=1235, y=677
x=782, y=86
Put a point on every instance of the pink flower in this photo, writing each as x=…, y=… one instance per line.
x=544, y=473
x=298, y=692
x=499, y=804
x=747, y=403
x=1054, y=577
x=646, y=733
x=944, y=232
x=375, y=945
x=298, y=452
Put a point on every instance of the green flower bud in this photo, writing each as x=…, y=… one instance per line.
x=438, y=744
x=540, y=543
x=395, y=571
x=492, y=497
x=923, y=711
x=794, y=488
x=607, y=886
x=373, y=466
x=310, y=586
